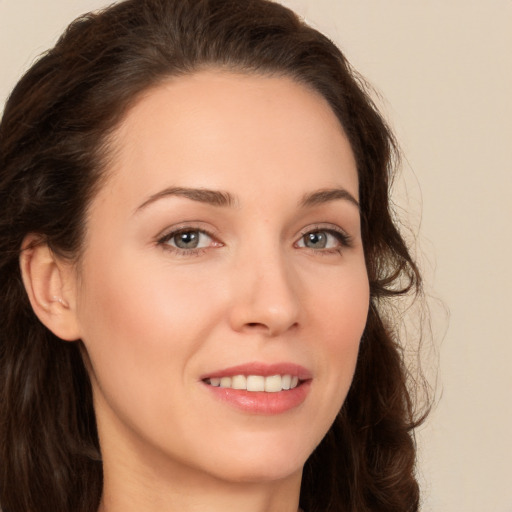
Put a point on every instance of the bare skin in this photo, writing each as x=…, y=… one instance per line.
x=176, y=285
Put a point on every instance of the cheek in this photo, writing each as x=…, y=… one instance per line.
x=140, y=330
x=140, y=304
x=340, y=305
x=144, y=326
x=341, y=314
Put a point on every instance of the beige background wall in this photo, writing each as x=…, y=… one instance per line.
x=444, y=68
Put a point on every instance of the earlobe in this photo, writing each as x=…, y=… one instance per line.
x=50, y=285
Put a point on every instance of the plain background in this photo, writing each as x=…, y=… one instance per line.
x=443, y=69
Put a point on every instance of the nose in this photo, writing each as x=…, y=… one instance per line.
x=265, y=295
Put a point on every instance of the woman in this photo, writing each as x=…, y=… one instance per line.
x=197, y=252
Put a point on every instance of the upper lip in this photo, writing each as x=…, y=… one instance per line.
x=263, y=369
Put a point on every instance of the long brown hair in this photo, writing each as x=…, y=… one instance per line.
x=53, y=152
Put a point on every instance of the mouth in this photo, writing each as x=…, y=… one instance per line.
x=261, y=388
x=255, y=383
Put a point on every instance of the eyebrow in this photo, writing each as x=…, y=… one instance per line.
x=202, y=195
x=225, y=199
x=327, y=195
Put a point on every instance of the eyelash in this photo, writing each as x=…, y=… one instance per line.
x=165, y=239
x=343, y=238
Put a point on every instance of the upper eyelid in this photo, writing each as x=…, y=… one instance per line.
x=214, y=235
x=175, y=232
x=325, y=227
x=184, y=227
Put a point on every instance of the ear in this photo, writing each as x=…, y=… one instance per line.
x=50, y=283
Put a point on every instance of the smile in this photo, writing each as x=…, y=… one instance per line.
x=260, y=388
x=254, y=383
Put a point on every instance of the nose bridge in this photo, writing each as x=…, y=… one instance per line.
x=264, y=289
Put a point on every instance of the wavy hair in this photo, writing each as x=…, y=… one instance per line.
x=54, y=151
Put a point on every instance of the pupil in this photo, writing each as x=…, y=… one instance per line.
x=187, y=240
x=316, y=240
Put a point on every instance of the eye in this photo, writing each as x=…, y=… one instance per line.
x=187, y=240
x=323, y=239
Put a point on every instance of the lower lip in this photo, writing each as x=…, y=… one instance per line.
x=261, y=402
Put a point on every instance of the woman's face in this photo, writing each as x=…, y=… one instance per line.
x=224, y=247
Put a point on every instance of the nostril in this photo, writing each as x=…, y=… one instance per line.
x=257, y=325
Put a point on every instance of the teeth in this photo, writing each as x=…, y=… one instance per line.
x=271, y=384
x=225, y=382
x=239, y=382
x=255, y=383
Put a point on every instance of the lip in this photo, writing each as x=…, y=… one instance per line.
x=261, y=402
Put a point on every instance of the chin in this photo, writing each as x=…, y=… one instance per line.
x=259, y=462
x=261, y=473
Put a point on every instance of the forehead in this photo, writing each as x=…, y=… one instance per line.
x=217, y=129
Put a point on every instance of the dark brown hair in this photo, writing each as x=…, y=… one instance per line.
x=53, y=151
